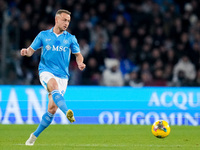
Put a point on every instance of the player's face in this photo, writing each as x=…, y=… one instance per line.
x=63, y=21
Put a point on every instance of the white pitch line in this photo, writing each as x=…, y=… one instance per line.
x=82, y=145
x=111, y=145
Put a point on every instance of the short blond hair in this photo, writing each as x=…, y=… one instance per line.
x=60, y=11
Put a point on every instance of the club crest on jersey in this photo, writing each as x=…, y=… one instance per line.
x=65, y=41
x=48, y=47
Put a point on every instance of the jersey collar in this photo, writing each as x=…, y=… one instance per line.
x=51, y=30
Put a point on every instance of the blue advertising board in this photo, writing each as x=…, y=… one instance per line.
x=103, y=105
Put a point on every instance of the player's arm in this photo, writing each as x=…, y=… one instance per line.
x=27, y=52
x=79, y=61
x=36, y=44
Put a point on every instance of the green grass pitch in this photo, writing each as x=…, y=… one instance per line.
x=99, y=137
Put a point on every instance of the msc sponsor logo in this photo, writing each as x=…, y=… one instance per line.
x=56, y=48
x=60, y=48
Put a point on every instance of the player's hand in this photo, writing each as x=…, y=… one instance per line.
x=24, y=52
x=81, y=66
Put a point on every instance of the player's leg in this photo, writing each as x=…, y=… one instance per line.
x=58, y=98
x=52, y=87
x=47, y=117
x=45, y=122
x=52, y=107
x=44, y=78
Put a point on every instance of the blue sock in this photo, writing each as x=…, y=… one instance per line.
x=45, y=122
x=59, y=101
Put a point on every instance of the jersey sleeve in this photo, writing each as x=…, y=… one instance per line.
x=75, y=46
x=37, y=42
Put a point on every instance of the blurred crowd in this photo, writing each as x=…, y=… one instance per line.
x=125, y=43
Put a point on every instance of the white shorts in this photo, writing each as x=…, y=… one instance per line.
x=46, y=76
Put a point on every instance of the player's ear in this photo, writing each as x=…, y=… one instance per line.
x=56, y=19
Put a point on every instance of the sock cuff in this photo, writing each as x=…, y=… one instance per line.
x=55, y=91
x=50, y=114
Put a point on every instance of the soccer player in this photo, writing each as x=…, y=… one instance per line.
x=57, y=45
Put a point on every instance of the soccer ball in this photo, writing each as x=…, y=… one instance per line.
x=160, y=129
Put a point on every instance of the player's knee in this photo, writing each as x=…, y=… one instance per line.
x=52, y=110
x=52, y=85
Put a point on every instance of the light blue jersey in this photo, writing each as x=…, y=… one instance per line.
x=56, y=51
